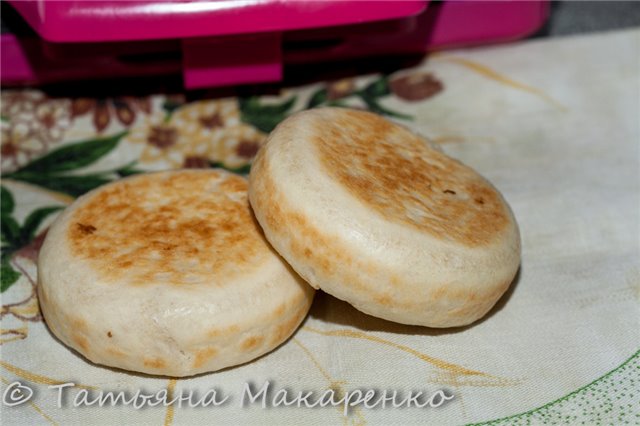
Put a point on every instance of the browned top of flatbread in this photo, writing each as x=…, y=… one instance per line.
x=176, y=227
x=396, y=173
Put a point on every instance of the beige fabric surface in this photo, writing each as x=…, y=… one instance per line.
x=553, y=124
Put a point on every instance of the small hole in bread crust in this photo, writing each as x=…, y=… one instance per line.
x=479, y=200
x=86, y=229
x=449, y=191
x=109, y=334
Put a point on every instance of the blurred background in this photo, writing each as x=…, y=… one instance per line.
x=573, y=17
x=222, y=44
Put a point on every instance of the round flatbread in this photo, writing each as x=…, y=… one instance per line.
x=168, y=274
x=365, y=210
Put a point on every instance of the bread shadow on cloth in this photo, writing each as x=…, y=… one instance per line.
x=332, y=310
x=81, y=358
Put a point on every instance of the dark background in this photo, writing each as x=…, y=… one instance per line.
x=573, y=17
x=567, y=17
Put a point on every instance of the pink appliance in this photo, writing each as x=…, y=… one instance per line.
x=229, y=42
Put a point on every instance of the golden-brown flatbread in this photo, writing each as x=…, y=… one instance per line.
x=365, y=210
x=167, y=273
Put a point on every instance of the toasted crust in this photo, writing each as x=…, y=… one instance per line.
x=156, y=228
x=168, y=274
x=407, y=182
x=367, y=211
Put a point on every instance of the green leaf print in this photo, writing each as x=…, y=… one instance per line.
x=71, y=157
x=8, y=276
x=33, y=221
x=318, y=98
x=49, y=170
x=71, y=185
x=242, y=170
x=7, y=201
x=15, y=236
x=264, y=117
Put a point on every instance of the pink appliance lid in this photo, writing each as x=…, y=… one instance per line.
x=90, y=21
